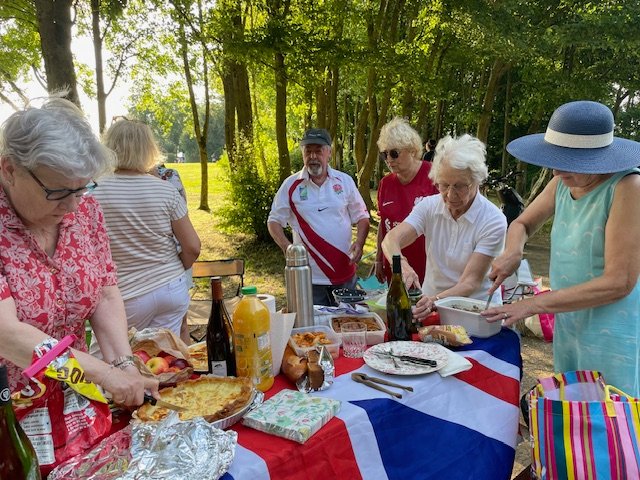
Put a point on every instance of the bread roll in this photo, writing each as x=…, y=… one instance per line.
x=293, y=366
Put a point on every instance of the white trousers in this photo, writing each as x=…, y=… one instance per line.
x=163, y=307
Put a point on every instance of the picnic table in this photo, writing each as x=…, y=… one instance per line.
x=463, y=426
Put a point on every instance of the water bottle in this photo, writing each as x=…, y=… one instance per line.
x=297, y=276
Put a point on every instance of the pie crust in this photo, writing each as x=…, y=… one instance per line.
x=213, y=398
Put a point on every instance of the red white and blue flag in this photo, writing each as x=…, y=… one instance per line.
x=459, y=427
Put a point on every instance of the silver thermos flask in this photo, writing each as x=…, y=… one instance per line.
x=297, y=276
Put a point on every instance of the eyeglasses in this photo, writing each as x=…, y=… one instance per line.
x=60, y=193
x=457, y=188
x=391, y=153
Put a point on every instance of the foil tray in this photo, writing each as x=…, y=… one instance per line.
x=257, y=397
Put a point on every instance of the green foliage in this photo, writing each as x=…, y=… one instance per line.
x=249, y=198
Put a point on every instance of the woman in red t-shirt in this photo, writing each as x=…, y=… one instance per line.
x=407, y=183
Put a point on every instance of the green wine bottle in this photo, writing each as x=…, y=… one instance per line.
x=399, y=316
x=18, y=459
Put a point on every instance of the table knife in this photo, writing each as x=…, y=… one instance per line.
x=162, y=403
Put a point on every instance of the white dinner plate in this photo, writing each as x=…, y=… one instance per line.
x=386, y=364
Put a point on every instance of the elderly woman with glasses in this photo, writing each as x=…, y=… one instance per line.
x=463, y=230
x=404, y=187
x=56, y=269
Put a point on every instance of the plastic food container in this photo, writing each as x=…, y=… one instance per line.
x=465, y=311
x=373, y=336
x=333, y=347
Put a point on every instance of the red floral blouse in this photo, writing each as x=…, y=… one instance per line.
x=55, y=294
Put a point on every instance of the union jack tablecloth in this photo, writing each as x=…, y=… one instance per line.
x=460, y=427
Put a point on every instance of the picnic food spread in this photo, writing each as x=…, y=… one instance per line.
x=310, y=339
x=213, y=398
x=370, y=322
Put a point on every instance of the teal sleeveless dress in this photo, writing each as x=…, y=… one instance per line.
x=605, y=338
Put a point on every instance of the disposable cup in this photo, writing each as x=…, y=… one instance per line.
x=354, y=339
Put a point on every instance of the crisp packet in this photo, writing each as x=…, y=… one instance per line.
x=293, y=415
x=447, y=335
x=320, y=371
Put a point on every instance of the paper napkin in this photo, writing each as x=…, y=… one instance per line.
x=456, y=363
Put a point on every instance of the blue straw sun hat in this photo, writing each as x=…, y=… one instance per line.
x=579, y=139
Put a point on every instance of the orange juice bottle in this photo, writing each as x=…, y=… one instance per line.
x=252, y=341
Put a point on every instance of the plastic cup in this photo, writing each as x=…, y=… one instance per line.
x=354, y=339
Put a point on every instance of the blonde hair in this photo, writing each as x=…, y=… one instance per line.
x=462, y=153
x=399, y=134
x=134, y=144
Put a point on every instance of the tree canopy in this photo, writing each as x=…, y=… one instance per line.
x=267, y=69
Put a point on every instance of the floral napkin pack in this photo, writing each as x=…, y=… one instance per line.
x=293, y=415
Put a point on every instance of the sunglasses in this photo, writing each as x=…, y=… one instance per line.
x=391, y=153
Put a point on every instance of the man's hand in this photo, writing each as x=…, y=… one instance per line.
x=355, y=252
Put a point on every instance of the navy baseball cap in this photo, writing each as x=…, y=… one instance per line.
x=316, y=136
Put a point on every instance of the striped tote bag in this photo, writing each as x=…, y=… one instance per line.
x=583, y=429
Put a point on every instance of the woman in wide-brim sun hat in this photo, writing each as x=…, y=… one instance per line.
x=594, y=198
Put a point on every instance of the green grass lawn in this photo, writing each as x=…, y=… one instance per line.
x=264, y=262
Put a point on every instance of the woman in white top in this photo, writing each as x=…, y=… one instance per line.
x=463, y=230
x=145, y=216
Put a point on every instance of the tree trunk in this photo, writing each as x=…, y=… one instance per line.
x=97, y=51
x=201, y=132
x=372, y=151
x=333, y=113
x=281, y=117
x=229, y=112
x=243, y=102
x=505, y=130
x=498, y=69
x=54, y=25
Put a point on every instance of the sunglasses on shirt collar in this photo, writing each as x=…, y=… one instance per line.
x=391, y=153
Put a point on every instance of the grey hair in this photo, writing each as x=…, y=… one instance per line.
x=462, y=153
x=399, y=134
x=58, y=136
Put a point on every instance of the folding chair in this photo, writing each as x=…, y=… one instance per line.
x=229, y=269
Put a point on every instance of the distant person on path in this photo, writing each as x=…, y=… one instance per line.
x=429, y=150
x=594, y=199
x=403, y=188
x=321, y=205
x=145, y=216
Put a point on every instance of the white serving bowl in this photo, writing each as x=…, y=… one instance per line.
x=454, y=311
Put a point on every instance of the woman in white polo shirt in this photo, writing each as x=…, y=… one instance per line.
x=463, y=230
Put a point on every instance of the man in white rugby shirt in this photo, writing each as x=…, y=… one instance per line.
x=321, y=205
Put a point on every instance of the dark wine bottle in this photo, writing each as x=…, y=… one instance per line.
x=18, y=459
x=399, y=316
x=220, y=354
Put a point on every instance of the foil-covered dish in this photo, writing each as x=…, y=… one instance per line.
x=175, y=449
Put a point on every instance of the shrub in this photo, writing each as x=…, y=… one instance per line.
x=250, y=196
